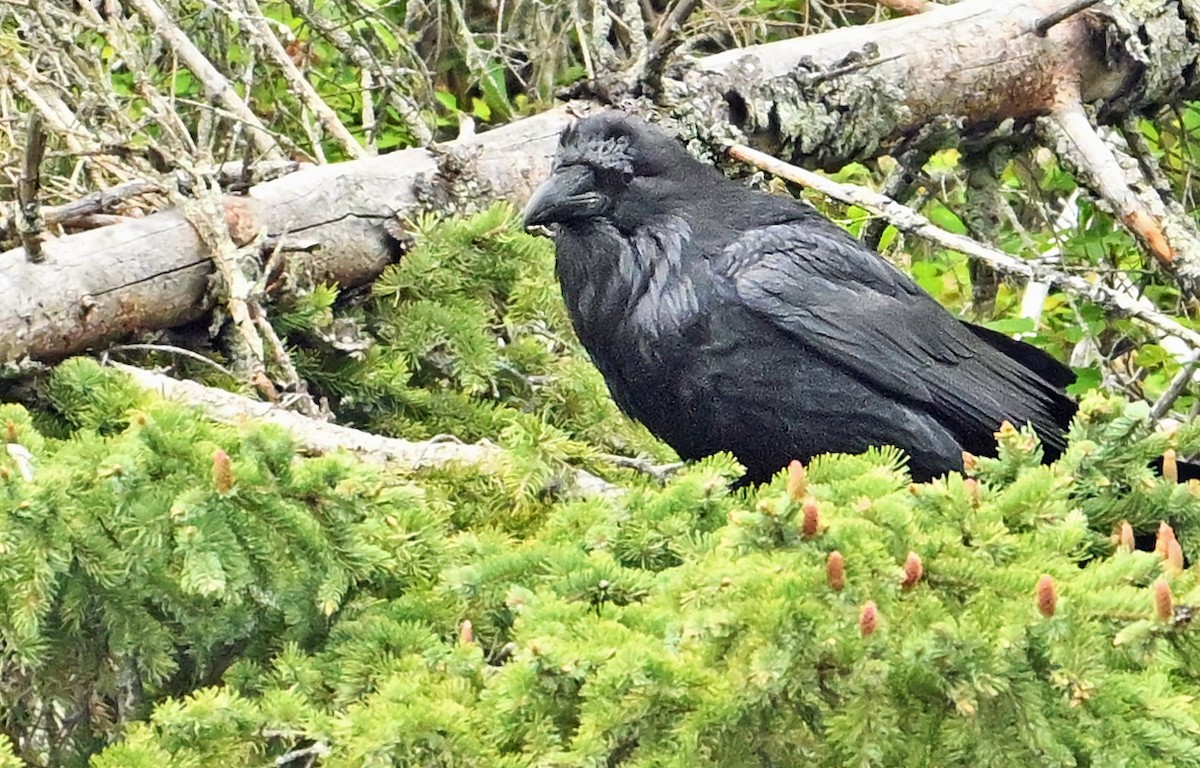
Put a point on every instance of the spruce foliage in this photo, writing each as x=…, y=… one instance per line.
x=176, y=593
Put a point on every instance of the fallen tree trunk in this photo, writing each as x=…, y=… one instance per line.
x=973, y=69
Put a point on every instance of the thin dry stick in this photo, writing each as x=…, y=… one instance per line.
x=170, y=350
x=215, y=84
x=29, y=221
x=666, y=39
x=1178, y=384
x=1062, y=14
x=908, y=220
x=1097, y=160
x=262, y=35
x=905, y=7
x=381, y=75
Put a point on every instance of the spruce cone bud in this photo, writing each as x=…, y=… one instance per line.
x=1174, y=564
x=912, y=571
x=1047, y=599
x=222, y=471
x=1166, y=534
x=835, y=570
x=1007, y=430
x=466, y=632
x=1125, y=538
x=969, y=461
x=868, y=619
x=1162, y=600
x=797, y=480
x=972, y=486
x=1170, y=466
x=812, y=519
x=10, y=432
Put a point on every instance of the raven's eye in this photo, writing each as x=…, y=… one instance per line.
x=627, y=176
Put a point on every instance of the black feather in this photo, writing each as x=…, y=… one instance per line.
x=726, y=319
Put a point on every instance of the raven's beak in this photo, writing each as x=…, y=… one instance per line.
x=569, y=193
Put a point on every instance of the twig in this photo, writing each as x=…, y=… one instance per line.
x=215, y=84
x=908, y=220
x=279, y=354
x=666, y=39
x=1178, y=384
x=262, y=35
x=1094, y=159
x=318, y=749
x=170, y=350
x=1044, y=24
x=98, y=202
x=319, y=437
x=905, y=7
x=29, y=219
x=381, y=74
x=660, y=472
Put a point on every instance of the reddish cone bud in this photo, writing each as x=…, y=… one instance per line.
x=10, y=432
x=222, y=471
x=812, y=519
x=1166, y=534
x=1174, y=564
x=1162, y=600
x=1047, y=599
x=835, y=570
x=912, y=571
x=972, y=487
x=969, y=461
x=868, y=619
x=466, y=632
x=1170, y=466
x=1125, y=537
x=1007, y=430
x=797, y=480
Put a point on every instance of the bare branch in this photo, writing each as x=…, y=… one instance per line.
x=905, y=7
x=262, y=35
x=666, y=39
x=215, y=84
x=318, y=437
x=1062, y=14
x=1093, y=158
x=29, y=219
x=908, y=220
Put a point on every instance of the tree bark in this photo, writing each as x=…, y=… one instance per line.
x=972, y=71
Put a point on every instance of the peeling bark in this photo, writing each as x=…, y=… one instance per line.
x=971, y=72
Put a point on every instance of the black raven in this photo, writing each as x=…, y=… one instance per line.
x=727, y=319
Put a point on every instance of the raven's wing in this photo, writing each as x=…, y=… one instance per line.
x=856, y=311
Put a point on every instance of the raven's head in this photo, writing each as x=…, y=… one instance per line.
x=598, y=161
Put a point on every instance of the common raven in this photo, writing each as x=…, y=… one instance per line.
x=728, y=319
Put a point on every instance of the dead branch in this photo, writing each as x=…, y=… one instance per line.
x=908, y=220
x=251, y=15
x=666, y=39
x=906, y=7
x=215, y=84
x=319, y=437
x=1062, y=14
x=29, y=220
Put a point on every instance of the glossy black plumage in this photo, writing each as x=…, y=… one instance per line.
x=727, y=319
